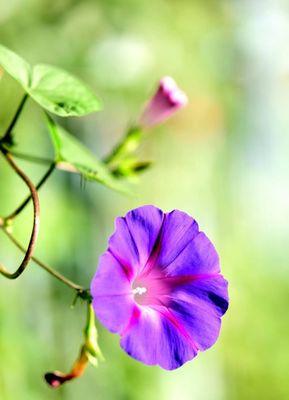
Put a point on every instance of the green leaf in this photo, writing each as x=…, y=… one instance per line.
x=53, y=88
x=72, y=156
x=16, y=66
x=61, y=93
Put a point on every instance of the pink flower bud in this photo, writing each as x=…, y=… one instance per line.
x=166, y=101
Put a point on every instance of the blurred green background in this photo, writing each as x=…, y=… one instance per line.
x=223, y=159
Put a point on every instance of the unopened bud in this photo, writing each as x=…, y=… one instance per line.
x=165, y=102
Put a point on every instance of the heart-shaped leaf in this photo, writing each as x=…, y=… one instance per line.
x=61, y=93
x=53, y=88
x=18, y=68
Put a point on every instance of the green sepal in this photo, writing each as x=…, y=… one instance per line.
x=131, y=167
x=91, y=346
x=126, y=147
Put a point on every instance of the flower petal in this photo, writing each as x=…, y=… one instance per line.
x=178, y=230
x=199, y=256
x=135, y=236
x=198, y=306
x=155, y=338
x=159, y=287
x=111, y=292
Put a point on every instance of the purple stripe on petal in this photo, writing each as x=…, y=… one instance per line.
x=199, y=306
x=203, y=325
x=134, y=318
x=198, y=257
x=211, y=289
x=144, y=223
x=135, y=237
x=175, y=349
x=140, y=340
x=177, y=231
x=154, y=339
x=168, y=315
x=123, y=247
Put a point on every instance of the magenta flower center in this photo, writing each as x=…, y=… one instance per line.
x=151, y=290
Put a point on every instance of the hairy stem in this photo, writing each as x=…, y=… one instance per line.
x=36, y=221
x=7, y=135
x=27, y=200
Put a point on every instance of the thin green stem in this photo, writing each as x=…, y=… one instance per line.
x=44, y=266
x=116, y=150
x=36, y=220
x=7, y=135
x=27, y=200
x=127, y=144
x=30, y=158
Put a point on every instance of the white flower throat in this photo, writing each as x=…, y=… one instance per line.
x=139, y=290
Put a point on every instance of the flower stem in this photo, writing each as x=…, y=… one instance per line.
x=7, y=135
x=27, y=200
x=44, y=266
x=36, y=220
x=30, y=158
x=4, y=141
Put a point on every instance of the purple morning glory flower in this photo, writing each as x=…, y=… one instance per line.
x=165, y=102
x=159, y=287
